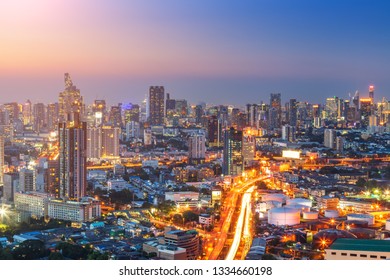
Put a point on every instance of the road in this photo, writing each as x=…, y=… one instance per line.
x=230, y=205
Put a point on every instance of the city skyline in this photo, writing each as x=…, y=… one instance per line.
x=240, y=52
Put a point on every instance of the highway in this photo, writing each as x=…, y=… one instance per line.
x=230, y=205
x=242, y=224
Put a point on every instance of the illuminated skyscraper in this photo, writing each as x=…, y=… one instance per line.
x=70, y=100
x=72, y=146
x=196, y=148
x=232, y=152
x=27, y=112
x=365, y=110
x=52, y=116
x=275, y=111
x=39, y=117
x=371, y=92
x=156, y=105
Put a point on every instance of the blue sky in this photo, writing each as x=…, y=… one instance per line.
x=235, y=51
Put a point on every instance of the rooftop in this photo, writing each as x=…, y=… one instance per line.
x=361, y=245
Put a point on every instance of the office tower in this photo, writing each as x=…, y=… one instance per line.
x=39, y=117
x=27, y=180
x=275, y=111
x=232, y=152
x=330, y=138
x=199, y=113
x=292, y=112
x=248, y=148
x=156, y=105
x=1, y=160
x=72, y=148
x=331, y=108
x=130, y=113
x=27, y=112
x=52, y=116
x=181, y=107
x=252, y=115
x=196, y=148
x=316, y=111
x=70, y=100
x=13, y=111
x=214, y=130
x=365, y=111
x=132, y=130
x=288, y=133
x=371, y=89
x=115, y=118
x=373, y=120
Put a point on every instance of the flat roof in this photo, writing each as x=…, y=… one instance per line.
x=372, y=245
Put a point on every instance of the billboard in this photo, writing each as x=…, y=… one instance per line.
x=291, y=154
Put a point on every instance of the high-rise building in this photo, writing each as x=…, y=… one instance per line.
x=331, y=108
x=248, y=147
x=232, y=152
x=288, y=133
x=39, y=117
x=156, y=105
x=371, y=90
x=330, y=138
x=196, y=148
x=27, y=180
x=340, y=143
x=275, y=111
x=365, y=111
x=115, y=118
x=27, y=112
x=292, y=112
x=94, y=143
x=70, y=100
x=214, y=131
x=102, y=142
x=199, y=113
x=72, y=147
x=52, y=116
x=110, y=142
x=11, y=183
x=130, y=113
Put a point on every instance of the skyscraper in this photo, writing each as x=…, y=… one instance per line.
x=365, y=110
x=292, y=112
x=196, y=148
x=156, y=105
x=70, y=100
x=72, y=146
x=27, y=180
x=232, y=152
x=52, y=116
x=39, y=117
x=371, y=92
x=275, y=111
x=330, y=138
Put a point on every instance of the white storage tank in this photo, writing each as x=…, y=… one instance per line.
x=300, y=201
x=310, y=215
x=275, y=197
x=283, y=216
x=361, y=217
x=331, y=214
x=387, y=224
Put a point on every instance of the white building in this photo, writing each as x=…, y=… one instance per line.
x=83, y=211
x=27, y=180
x=330, y=138
x=33, y=203
x=197, y=148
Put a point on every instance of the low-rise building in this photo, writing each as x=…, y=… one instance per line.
x=358, y=249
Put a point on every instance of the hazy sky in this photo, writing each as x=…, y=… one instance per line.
x=218, y=51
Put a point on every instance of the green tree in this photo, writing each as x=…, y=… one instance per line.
x=30, y=250
x=190, y=216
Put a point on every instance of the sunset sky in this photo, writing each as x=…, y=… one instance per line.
x=216, y=51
